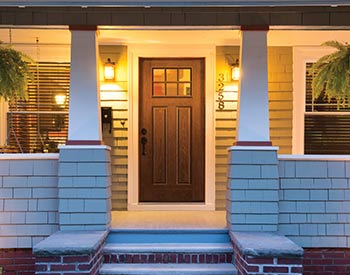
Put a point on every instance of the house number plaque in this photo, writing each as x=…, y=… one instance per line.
x=220, y=91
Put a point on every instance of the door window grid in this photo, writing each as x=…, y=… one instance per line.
x=172, y=82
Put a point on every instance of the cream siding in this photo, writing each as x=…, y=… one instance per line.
x=280, y=106
x=117, y=98
x=280, y=96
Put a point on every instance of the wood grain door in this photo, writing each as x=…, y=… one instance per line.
x=172, y=130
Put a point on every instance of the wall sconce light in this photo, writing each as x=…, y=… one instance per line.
x=235, y=71
x=109, y=70
x=60, y=99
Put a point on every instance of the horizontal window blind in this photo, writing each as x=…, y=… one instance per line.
x=40, y=123
x=326, y=129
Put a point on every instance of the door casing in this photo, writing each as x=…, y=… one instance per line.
x=148, y=51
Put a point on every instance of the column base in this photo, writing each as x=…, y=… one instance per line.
x=253, y=143
x=84, y=142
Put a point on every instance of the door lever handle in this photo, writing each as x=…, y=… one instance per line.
x=143, y=142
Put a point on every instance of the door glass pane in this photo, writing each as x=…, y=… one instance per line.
x=171, y=89
x=158, y=89
x=172, y=82
x=158, y=75
x=171, y=75
x=184, y=74
x=185, y=89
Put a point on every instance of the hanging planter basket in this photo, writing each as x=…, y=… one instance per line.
x=14, y=73
x=332, y=75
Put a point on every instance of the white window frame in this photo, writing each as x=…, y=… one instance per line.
x=301, y=56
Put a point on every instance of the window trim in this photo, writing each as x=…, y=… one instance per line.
x=301, y=56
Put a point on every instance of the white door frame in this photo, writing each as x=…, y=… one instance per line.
x=147, y=51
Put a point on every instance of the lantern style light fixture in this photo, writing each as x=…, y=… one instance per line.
x=235, y=71
x=109, y=70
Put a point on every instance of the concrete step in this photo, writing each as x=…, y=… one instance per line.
x=140, y=236
x=168, y=269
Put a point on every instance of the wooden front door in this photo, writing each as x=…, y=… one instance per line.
x=172, y=130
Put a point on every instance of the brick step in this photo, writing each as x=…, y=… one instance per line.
x=168, y=269
x=168, y=253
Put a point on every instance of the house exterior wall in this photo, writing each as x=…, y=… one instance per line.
x=314, y=201
x=280, y=106
x=28, y=199
x=116, y=96
x=313, y=198
x=280, y=85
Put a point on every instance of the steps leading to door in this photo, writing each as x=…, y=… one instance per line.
x=168, y=236
x=168, y=269
x=170, y=251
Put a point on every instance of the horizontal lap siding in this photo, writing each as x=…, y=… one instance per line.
x=118, y=138
x=280, y=96
x=225, y=123
x=280, y=107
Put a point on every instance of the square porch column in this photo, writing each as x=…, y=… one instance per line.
x=84, y=127
x=84, y=182
x=252, y=183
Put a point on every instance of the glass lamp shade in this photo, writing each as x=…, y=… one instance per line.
x=235, y=73
x=60, y=99
x=109, y=70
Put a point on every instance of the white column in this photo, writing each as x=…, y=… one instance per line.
x=84, y=102
x=253, y=105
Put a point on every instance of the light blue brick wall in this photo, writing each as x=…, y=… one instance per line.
x=314, y=210
x=28, y=199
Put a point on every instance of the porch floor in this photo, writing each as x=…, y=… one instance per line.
x=168, y=220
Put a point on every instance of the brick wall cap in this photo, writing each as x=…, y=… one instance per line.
x=265, y=244
x=80, y=147
x=70, y=243
x=253, y=148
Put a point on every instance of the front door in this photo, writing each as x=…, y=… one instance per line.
x=172, y=130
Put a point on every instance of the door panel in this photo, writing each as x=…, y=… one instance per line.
x=172, y=130
x=183, y=145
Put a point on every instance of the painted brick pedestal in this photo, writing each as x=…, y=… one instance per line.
x=259, y=253
x=252, y=195
x=84, y=187
x=76, y=252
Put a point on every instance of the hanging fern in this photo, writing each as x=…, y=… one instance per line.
x=14, y=73
x=332, y=74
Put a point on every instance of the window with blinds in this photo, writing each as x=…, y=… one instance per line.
x=326, y=129
x=40, y=123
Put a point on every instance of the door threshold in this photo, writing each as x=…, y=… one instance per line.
x=166, y=220
x=149, y=206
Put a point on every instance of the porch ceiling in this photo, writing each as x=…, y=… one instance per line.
x=113, y=36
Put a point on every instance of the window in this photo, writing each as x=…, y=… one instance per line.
x=40, y=123
x=172, y=82
x=326, y=129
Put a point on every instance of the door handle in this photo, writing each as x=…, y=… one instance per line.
x=143, y=142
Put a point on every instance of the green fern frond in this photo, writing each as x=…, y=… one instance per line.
x=332, y=74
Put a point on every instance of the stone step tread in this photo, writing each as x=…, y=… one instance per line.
x=166, y=269
x=164, y=235
x=168, y=248
x=170, y=230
